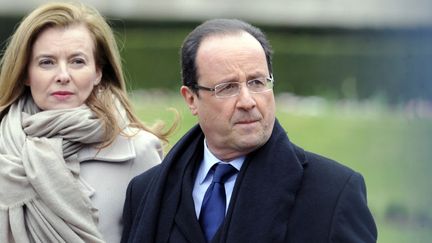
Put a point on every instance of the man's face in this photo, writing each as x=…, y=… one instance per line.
x=237, y=125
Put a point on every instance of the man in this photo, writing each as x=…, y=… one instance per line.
x=272, y=191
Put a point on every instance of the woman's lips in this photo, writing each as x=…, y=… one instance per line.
x=62, y=95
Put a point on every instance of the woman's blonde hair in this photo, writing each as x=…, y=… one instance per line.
x=15, y=60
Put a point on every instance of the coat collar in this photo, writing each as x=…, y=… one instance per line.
x=122, y=149
x=264, y=193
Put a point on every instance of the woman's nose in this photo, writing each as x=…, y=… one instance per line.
x=63, y=76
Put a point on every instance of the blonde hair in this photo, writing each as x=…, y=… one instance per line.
x=15, y=60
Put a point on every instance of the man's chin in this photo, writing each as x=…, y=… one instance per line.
x=251, y=142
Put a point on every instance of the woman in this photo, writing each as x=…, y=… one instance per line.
x=69, y=141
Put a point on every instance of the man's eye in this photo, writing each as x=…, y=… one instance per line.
x=256, y=83
x=229, y=86
x=226, y=88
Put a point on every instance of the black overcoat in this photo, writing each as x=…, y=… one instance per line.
x=282, y=194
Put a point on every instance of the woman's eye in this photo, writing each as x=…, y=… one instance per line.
x=78, y=61
x=46, y=62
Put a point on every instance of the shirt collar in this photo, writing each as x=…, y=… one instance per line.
x=210, y=159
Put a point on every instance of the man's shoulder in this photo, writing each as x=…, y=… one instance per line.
x=331, y=199
x=141, y=181
x=322, y=175
x=325, y=179
x=323, y=168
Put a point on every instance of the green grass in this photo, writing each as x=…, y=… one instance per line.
x=392, y=151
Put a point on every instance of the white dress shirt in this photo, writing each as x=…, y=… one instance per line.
x=205, y=177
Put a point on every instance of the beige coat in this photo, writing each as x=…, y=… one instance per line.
x=109, y=171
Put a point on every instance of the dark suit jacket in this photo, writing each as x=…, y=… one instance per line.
x=282, y=194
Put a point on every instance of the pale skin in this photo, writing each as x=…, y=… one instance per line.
x=62, y=71
x=233, y=126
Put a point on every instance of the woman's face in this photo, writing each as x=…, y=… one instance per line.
x=62, y=71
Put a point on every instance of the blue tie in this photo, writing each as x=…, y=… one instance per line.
x=213, y=206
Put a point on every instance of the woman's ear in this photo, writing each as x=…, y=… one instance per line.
x=98, y=76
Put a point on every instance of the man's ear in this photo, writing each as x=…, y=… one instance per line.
x=190, y=99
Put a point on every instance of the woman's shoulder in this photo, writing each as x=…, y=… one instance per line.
x=142, y=137
x=144, y=142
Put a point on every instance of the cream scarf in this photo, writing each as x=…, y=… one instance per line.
x=42, y=198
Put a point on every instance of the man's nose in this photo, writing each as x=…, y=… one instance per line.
x=245, y=99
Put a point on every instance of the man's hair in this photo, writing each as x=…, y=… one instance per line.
x=216, y=27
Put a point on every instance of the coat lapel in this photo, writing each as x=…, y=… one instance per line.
x=158, y=208
x=186, y=219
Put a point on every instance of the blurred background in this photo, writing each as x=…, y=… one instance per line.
x=353, y=82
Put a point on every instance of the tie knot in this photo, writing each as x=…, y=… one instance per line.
x=223, y=172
